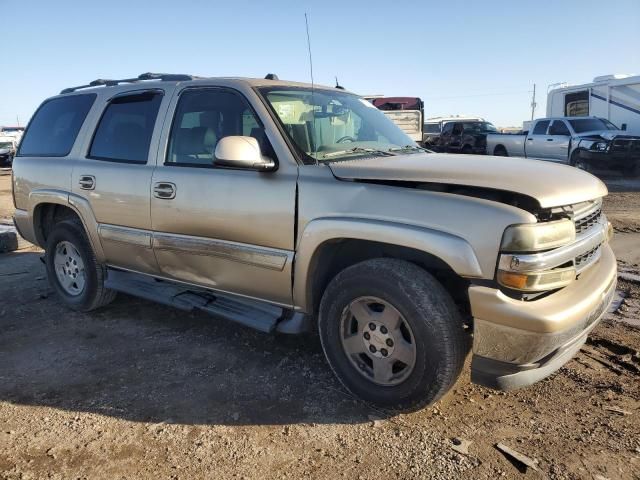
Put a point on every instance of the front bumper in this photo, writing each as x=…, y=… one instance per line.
x=517, y=343
x=612, y=160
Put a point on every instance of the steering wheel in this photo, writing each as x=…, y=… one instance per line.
x=346, y=138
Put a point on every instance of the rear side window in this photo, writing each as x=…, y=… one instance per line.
x=55, y=126
x=125, y=129
x=541, y=127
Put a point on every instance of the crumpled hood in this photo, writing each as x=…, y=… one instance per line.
x=606, y=134
x=552, y=185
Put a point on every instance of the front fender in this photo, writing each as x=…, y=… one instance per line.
x=453, y=250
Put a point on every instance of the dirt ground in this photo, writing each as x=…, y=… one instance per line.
x=138, y=390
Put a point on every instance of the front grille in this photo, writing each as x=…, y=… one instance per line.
x=587, y=221
x=587, y=216
x=586, y=258
x=625, y=145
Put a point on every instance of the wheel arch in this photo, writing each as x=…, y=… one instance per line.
x=500, y=147
x=48, y=207
x=328, y=246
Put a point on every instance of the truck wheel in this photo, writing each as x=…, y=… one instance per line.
x=467, y=150
x=578, y=162
x=73, y=270
x=391, y=333
x=500, y=151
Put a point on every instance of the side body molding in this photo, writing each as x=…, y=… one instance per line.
x=453, y=250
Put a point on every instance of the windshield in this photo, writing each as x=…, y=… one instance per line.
x=4, y=145
x=477, y=127
x=591, y=124
x=431, y=128
x=330, y=126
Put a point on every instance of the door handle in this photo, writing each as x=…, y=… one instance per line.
x=529, y=139
x=87, y=182
x=549, y=139
x=164, y=190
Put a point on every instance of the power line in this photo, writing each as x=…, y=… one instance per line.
x=479, y=95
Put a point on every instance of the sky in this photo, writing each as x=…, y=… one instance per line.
x=472, y=57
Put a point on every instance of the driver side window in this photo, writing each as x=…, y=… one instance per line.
x=202, y=118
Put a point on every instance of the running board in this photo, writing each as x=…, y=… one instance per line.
x=251, y=313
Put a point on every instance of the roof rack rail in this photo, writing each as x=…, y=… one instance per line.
x=164, y=77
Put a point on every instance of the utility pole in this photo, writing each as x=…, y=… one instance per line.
x=533, y=102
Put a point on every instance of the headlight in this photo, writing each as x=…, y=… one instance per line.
x=534, y=237
x=600, y=146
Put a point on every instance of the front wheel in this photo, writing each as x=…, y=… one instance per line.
x=578, y=162
x=391, y=333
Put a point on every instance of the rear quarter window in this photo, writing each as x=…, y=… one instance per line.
x=55, y=126
x=541, y=127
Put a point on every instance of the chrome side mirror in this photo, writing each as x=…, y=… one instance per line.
x=242, y=153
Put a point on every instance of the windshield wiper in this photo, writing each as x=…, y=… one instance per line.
x=355, y=150
x=408, y=148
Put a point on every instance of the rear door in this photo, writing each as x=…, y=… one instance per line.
x=455, y=141
x=114, y=175
x=536, y=144
x=229, y=230
x=445, y=136
x=558, y=141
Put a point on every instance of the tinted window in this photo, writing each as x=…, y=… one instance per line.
x=479, y=127
x=591, y=124
x=457, y=129
x=447, y=128
x=431, y=128
x=202, y=118
x=55, y=126
x=125, y=129
x=558, y=127
x=541, y=127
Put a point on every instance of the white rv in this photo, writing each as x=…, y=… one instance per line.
x=613, y=97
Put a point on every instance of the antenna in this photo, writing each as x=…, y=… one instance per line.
x=306, y=21
x=313, y=107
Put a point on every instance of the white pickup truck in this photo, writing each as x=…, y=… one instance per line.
x=589, y=143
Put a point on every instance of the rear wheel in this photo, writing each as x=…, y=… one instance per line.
x=391, y=333
x=467, y=150
x=73, y=270
x=500, y=151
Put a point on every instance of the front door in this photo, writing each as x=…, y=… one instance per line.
x=558, y=145
x=229, y=230
x=114, y=176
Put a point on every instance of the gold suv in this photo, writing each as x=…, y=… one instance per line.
x=291, y=207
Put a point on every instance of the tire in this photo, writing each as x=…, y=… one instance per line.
x=467, y=150
x=68, y=242
x=500, y=151
x=577, y=162
x=433, y=326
